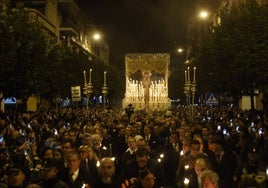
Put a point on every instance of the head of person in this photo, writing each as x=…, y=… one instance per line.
x=174, y=138
x=195, y=147
x=86, y=139
x=58, y=154
x=106, y=170
x=15, y=175
x=142, y=157
x=201, y=164
x=141, y=143
x=73, y=161
x=67, y=146
x=146, y=178
x=83, y=150
x=73, y=134
x=96, y=141
x=47, y=153
x=147, y=130
x=186, y=145
x=131, y=142
x=209, y=179
x=49, y=169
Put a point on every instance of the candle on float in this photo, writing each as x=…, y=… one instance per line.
x=185, y=74
x=90, y=72
x=194, y=74
x=188, y=71
x=85, y=79
x=104, y=75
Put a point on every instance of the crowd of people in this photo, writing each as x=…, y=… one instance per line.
x=71, y=147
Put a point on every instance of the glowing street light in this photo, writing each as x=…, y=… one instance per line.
x=203, y=14
x=96, y=36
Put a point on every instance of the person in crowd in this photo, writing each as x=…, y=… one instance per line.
x=209, y=179
x=142, y=160
x=187, y=163
x=150, y=138
x=106, y=175
x=88, y=160
x=186, y=146
x=67, y=146
x=86, y=139
x=16, y=177
x=226, y=163
x=130, y=152
x=49, y=173
x=147, y=180
x=201, y=164
x=171, y=158
x=252, y=168
x=47, y=153
x=73, y=175
x=97, y=146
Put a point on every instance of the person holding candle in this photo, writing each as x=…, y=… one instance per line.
x=146, y=180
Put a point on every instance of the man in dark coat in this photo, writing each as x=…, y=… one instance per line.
x=73, y=175
x=141, y=161
x=106, y=175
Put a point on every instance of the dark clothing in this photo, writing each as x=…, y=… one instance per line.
x=132, y=170
x=127, y=157
x=54, y=183
x=90, y=166
x=83, y=177
x=226, y=169
x=116, y=183
x=171, y=163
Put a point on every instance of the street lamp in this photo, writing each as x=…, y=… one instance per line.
x=104, y=90
x=190, y=88
x=87, y=90
x=203, y=14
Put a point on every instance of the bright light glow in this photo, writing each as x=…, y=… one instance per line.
x=180, y=50
x=186, y=181
x=96, y=36
x=203, y=14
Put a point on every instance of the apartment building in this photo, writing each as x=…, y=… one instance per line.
x=64, y=20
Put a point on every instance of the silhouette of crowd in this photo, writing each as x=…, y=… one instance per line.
x=66, y=148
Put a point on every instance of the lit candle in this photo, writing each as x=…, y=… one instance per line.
x=188, y=70
x=185, y=76
x=186, y=167
x=194, y=74
x=85, y=79
x=90, y=72
x=104, y=77
x=186, y=182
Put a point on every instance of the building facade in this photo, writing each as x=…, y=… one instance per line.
x=65, y=20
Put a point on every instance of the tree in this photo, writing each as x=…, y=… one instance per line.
x=233, y=58
x=23, y=49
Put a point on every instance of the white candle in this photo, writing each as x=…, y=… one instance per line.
x=188, y=70
x=185, y=76
x=90, y=72
x=104, y=77
x=186, y=182
x=85, y=79
x=194, y=74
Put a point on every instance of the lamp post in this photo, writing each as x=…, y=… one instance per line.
x=87, y=90
x=190, y=88
x=104, y=90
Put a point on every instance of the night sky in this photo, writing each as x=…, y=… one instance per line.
x=132, y=26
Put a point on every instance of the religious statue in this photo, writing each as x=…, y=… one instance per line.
x=146, y=83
